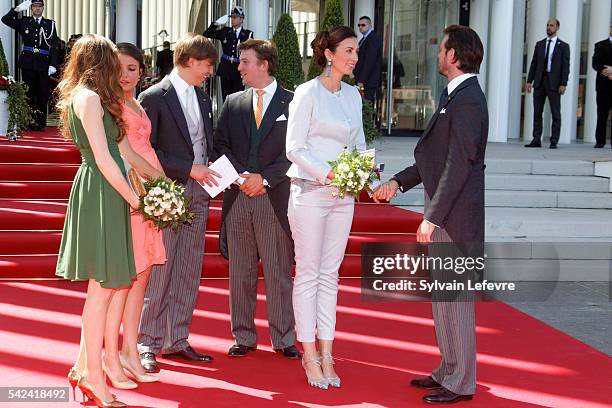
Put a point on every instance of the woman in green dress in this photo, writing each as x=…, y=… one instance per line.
x=97, y=241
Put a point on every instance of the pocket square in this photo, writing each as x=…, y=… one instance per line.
x=443, y=111
x=281, y=118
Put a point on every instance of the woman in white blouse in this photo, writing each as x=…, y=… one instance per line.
x=324, y=119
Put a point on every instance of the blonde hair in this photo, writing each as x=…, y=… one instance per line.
x=194, y=46
x=93, y=64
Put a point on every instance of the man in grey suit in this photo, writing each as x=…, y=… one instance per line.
x=450, y=164
x=251, y=132
x=181, y=134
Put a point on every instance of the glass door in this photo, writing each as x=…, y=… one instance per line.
x=411, y=82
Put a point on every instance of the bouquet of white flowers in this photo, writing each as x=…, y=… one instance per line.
x=353, y=172
x=164, y=203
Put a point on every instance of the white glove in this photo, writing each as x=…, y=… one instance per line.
x=222, y=20
x=23, y=6
x=52, y=70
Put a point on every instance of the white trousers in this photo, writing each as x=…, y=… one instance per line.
x=320, y=226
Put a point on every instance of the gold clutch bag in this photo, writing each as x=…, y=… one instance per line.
x=135, y=182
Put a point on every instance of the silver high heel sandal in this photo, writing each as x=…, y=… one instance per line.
x=320, y=383
x=333, y=381
x=143, y=378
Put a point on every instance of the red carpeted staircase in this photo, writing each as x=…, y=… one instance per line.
x=35, y=178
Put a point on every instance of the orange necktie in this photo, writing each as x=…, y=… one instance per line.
x=259, y=108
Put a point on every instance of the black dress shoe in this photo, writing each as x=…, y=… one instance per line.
x=238, y=350
x=553, y=146
x=290, y=352
x=445, y=396
x=149, y=363
x=599, y=146
x=426, y=383
x=189, y=354
x=533, y=144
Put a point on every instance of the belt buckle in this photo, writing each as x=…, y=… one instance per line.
x=232, y=59
x=35, y=50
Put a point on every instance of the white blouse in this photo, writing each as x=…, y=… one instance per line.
x=321, y=124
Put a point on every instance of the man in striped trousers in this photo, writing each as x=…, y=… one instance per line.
x=251, y=132
x=450, y=164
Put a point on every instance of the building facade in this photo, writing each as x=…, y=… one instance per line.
x=411, y=32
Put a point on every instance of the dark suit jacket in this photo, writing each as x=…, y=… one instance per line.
x=450, y=164
x=602, y=56
x=29, y=30
x=559, y=67
x=165, y=61
x=232, y=138
x=169, y=132
x=369, y=66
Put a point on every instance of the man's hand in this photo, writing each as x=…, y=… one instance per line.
x=253, y=185
x=222, y=20
x=386, y=191
x=23, y=6
x=52, y=70
x=424, y=232
x=562, y=89
x=202, y=174
x=528, y=87
x=607, y=71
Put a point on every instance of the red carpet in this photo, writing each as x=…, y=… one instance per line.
x=36, y=175
x=379, y=347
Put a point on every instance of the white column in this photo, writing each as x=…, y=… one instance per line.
x=7, y=34
x=599, y=22
x=569, y=14
x=516, y=70
x=257, y=18
x=125, y=21
x=363, y=8
x=501, y=76
x=479, y=22
x=537, y=16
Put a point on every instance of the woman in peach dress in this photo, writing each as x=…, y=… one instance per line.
x=147, y=239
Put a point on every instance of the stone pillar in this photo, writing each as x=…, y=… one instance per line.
x=257, y=13
x=537, y=16
x=479, y=22
x=569, y=14
x=125, y=20
x=599, y=22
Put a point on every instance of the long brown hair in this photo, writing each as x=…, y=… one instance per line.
x=93, y=64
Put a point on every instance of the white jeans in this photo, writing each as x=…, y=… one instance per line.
x=320, y=225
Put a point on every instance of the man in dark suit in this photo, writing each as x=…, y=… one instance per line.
x=165, y=60
x=369, y=66
x=547, y=76
x=230, y=38
x=602, y=63
x=450, y=163
x=251, y=132
x=181, y=134
x=38, y=59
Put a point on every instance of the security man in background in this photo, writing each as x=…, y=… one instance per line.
x=38, y=59
x=230, y=37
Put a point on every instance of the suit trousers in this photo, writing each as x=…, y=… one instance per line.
x=320, y=225
x=173, y=287
x=38, y=94
x=604, y=104
x=253, y=232
x=455, y=327
x=554, y=100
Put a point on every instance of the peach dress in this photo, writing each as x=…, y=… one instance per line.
x=149, y=247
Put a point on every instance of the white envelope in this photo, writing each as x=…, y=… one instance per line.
x=228, y=175
x=281, y=118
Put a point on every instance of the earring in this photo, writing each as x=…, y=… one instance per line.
x=328, y=68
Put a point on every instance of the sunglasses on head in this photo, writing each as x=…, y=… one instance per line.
x=362, y=25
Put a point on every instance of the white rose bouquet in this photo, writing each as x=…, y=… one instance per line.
x=164, y=203
x=353, y=172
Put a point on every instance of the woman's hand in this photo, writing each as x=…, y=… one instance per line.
x=331, y=175
x=134, y=202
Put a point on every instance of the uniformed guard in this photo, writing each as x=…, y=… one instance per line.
x=230, y=37
x=38, y=59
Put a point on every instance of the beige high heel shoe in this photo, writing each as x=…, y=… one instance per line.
x=123, y=385
x=143, y=378
x=333, y=381
x=321, y=383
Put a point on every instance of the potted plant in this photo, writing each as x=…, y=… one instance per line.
x=15, y=113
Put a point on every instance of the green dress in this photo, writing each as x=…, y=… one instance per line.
x=97, y=238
